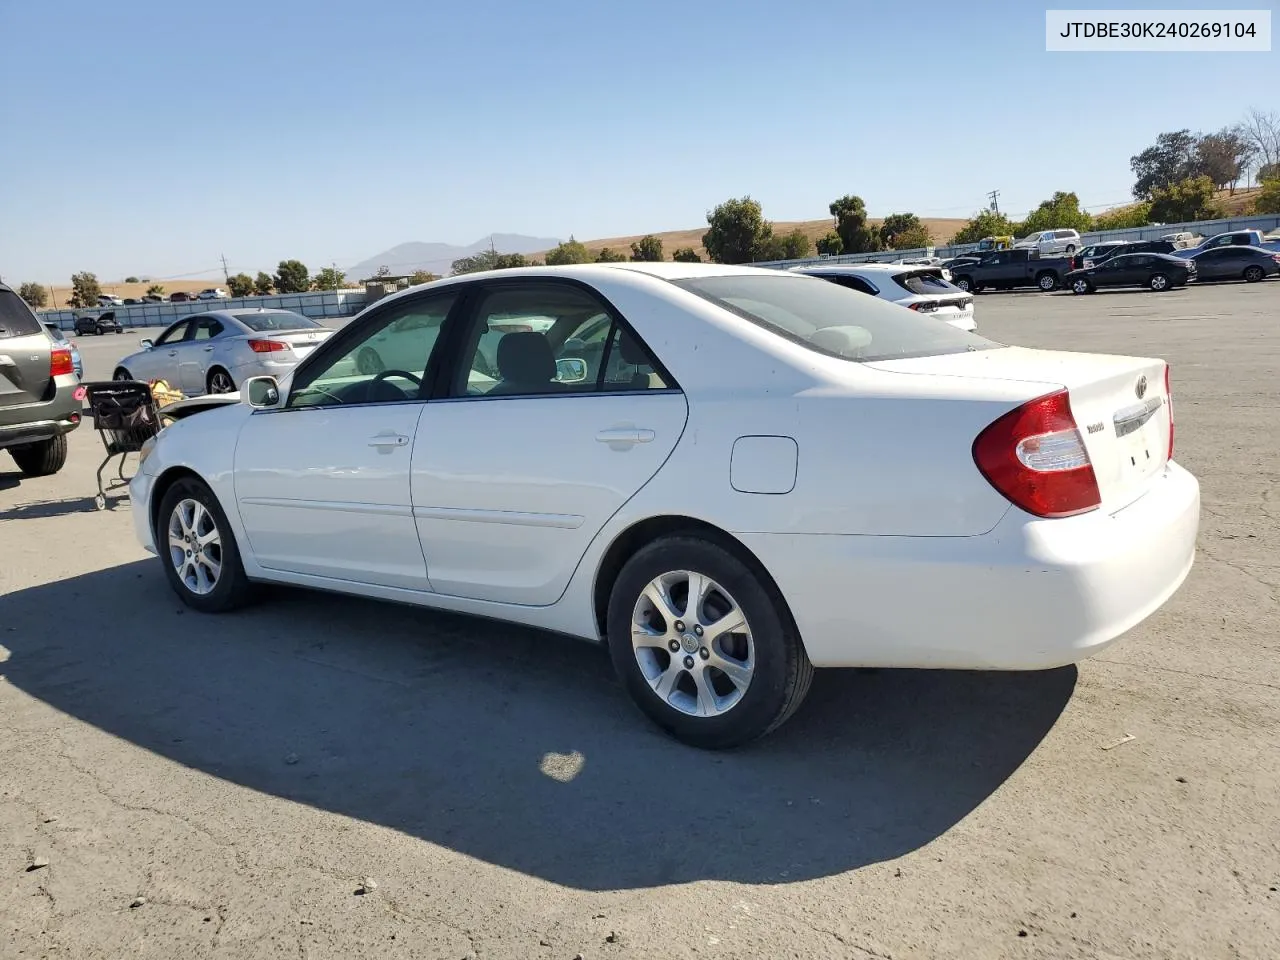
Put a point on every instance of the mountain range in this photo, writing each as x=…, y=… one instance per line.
x=438, y=257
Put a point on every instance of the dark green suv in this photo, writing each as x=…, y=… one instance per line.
x=38, y=406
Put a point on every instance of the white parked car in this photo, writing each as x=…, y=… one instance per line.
x=926, y=290
x=212, y=293
x=109, y=300
x=728, y=475
x=1051, y=242
x=217, y=351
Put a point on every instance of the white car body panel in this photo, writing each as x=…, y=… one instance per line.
x=890, y=547
x=881, y=277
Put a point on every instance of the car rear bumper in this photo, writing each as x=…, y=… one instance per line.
x=1031, y=594
x=261, y=368
x=34, y=422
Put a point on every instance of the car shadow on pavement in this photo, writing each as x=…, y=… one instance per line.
x=38, y=509
x=515, y=746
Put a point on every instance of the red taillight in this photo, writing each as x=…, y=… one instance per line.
x=267, y=346
x=1035, y=456
x=923, y=306
x=1168, y=395
x=60, y=362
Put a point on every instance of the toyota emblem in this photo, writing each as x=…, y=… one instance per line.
x=1141, y=388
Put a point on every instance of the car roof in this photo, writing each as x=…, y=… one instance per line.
x=837, y=268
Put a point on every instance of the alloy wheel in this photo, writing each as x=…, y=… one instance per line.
x=693, y=644
x=1080, y=286
x=1159, y=282
x=221, y=382
x=195, y=546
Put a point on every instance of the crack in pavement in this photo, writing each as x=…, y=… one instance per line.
x=1187, y=673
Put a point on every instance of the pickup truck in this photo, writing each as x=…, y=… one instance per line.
x=1007, y=269
x=1235, y=238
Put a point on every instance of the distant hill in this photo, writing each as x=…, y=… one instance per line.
x=438, y=257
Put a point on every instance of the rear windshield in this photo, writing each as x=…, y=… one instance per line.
x=16, y=318
x=832, y=319
x=272, y=321
x=924, y=281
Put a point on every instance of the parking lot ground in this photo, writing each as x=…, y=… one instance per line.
x=243, y=774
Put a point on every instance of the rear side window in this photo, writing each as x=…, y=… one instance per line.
x=16, y=318
x=923, y=281
x=833, y=320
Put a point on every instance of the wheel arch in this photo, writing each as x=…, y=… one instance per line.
x=644, y=532
x=167, y=479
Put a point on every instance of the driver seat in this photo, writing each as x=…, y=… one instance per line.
x=526, y=364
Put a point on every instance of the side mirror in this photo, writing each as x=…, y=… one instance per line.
x=571, y=370
x=262, y=392
x=147, y=343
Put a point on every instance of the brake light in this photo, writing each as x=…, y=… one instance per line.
x=1034, y=455
x=60, y=362
x=1168, y=394
x=923, y=306
x=267, y=346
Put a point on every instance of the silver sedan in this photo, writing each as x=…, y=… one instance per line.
x=215, y=352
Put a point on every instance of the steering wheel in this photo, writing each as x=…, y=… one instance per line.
x=383, y=375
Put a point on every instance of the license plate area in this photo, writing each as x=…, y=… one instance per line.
x=1139, y=438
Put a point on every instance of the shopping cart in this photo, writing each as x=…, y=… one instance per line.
x=124, y=414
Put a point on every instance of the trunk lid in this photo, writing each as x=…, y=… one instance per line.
x=302, y=342
x=24, y=353
x=1120, y=405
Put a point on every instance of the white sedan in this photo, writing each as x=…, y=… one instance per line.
x=925, y=289
x=728, y=475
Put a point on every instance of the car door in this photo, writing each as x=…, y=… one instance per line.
x=161, y=361
x=1215, y=264
x=194, y=354
x=513, y=477
x=322, y=482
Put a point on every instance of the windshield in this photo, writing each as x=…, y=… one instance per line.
x=832, y=319
x=272, y=321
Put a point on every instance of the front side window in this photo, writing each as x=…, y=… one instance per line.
x=548, y=339
x=832, y=320
x=174, y=333
x=387, y=363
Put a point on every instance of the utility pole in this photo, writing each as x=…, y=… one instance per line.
x=226, y=274
x=995, y=204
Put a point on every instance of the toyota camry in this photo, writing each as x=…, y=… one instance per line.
x=728, y=475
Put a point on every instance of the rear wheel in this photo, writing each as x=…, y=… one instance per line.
x=1158, y=282
x=220, y=381
x=99, y=330
x=121, y=374
x=198, y=549
x=1047, y=281
x=1071, y=249
x=1253, y=274
x=705, y=647
x=1081, y=285
x=41, y=459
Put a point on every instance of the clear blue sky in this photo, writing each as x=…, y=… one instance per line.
x=151, y=137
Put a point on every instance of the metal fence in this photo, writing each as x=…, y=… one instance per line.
x=318, y=305
x=1205, y=228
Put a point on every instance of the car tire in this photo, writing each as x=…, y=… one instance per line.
x=1158, y=282
x=1071, y=249
x=1253, y=274
x=208, y=580
x=965, y=284
x=1047, y=281
x=42, y=459
x=121, y=374
x=769, y=671
x=219, y=381
x=1080, y=286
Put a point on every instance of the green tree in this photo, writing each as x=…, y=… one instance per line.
x=570, y=251
x=647, y=248
x=157, y=289
x=34, y=294
x=488, y=260
x=1060, y=212
x=240, y=285
x=1124, y=218
x=831, y=245
x=1222, y=157
x=85, y=290
x=896, y=224
x=1190, y=199
x=422, y=276
x=131, y=280
x=292, y=277
x=912, y=238
x=608, y=255
x=987, y=223
x=795, y=245
x=856, y=234
x=686, y=255
x=330, y=278
x=738, y=231
x=1267, y=201
x=263, y=283
x=1171, y=159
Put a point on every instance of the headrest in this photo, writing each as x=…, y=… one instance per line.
x=526, y=357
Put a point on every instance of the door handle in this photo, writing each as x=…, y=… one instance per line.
x=618, y=437
x=388, y=440
x=208, y=349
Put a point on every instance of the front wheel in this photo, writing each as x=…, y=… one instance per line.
x=705, y=648
x=198, y=549
x=99, y=330
x=121, y=374
x=42, y=459
x=1080, y=285
x=1253, y=274
x=1158, y=282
